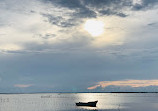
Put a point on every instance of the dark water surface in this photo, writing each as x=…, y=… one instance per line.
x=66, y=102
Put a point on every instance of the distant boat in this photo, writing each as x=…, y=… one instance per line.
x=91, y=104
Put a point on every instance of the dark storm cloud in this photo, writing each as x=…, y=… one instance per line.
x=85, y=9
x=109, y=12
x=76, y=5
x=59, y=21
x=85, y=13
x=145, y=4
x=88, y=8
x=109, y=7
x=80, y=11
x=94, y=8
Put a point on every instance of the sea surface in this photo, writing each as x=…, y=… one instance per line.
x=66, y=102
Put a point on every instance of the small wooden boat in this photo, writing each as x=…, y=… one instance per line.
x=91, y=104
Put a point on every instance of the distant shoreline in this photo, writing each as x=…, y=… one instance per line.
x=75, y=92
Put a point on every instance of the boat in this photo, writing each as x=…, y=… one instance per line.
x=91, y=104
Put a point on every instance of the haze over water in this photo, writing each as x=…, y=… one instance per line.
x=66, y=102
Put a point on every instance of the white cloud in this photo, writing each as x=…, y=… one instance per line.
x=10, y=47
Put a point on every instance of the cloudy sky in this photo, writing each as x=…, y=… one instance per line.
x=78, y=45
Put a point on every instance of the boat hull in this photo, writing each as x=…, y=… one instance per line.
x=91, y=104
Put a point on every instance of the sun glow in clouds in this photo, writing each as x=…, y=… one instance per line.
x=94, y=27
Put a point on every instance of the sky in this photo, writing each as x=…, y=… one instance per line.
x=78, y=45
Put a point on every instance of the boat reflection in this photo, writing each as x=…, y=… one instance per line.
x=84, y=108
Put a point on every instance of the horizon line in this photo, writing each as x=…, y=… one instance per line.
x=75, y=92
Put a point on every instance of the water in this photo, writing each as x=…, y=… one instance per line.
x=66, y=102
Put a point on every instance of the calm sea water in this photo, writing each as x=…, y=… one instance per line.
x=66, y=102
